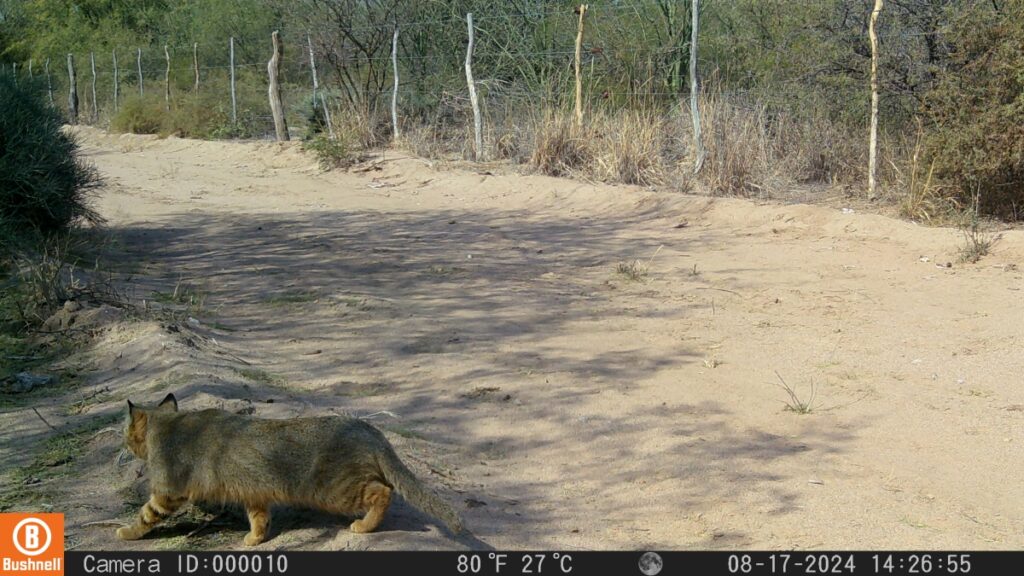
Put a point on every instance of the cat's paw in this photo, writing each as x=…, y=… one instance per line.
x=128, y=533
x=358, y=527
x=252, y=539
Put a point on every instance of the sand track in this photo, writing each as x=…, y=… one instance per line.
x=558, y=403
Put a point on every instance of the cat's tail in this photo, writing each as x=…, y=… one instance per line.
x=403, y=480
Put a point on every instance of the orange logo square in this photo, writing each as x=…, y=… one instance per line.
x=32, y=544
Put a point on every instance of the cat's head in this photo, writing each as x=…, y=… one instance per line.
x=137, y=422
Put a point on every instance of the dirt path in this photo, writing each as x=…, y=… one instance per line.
x=558, y=402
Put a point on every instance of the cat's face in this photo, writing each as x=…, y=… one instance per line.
x=137, y=423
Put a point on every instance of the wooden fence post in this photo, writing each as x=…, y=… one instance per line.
x=234, y=102
x=116, y=81
x=49, y=83
x=274, y=89
x=873, y=138
x=72, y=91
x=95, y=105
x=138, y=62
x=195, y=64
x=394, y=92
x=579, y=78
x=477, y=126
x=167, y=80
x=698, y=137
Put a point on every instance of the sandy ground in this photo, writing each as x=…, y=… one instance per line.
x=555, y=401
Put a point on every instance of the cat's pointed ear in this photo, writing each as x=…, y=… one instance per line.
x=169, y=403
x=131, y=408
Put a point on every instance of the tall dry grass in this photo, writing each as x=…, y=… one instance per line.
x=754, y=147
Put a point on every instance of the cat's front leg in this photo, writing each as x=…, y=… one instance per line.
x=156, y=509
x=259, y=524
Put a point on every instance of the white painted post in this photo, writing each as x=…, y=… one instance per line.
x=312, y=67
x=195, y=65
x=49, y=82
x=138, y=62
x=579, y=78
x=698, y=139
x=72, y=90
x=873, y=138
x=274, y=89
x=234, y=102
x=167, y=80
x=477, y=126
x=394, y=92
x=95, y=104
x=116, y=81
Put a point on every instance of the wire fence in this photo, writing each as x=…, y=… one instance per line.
x=204, y=76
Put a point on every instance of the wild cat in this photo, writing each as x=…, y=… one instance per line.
x=338, y=464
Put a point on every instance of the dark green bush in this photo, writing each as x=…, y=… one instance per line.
x=44, y=185
x=976, y=112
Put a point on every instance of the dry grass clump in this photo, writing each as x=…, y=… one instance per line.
x=629, y=148
x=560, y=147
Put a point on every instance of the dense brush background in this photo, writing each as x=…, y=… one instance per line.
x=785, y=85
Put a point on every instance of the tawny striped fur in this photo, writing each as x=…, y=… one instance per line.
x=338, y=464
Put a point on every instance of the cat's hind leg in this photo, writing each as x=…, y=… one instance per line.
x=376, y=499
x=153, y=511
x=259, y=524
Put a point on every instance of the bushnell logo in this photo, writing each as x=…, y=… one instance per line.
x=32, y=544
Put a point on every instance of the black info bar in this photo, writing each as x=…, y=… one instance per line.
x=541, y=563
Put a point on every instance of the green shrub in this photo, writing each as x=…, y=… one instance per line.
x=139, y=115
x=44, y=185
x=337, y=153
x=976, y=112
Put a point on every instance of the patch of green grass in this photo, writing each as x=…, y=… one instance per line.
x=32, y=484
x=292, y=297
x=218, y=326
x=260, y=376
x=183, y=294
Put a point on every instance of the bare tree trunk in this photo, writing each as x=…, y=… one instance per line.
x=579, y=79
x=312, y=68
x=95, y=104
x=478, y=139
x=195, y=65
x=234, y=101
x=116, y=82
x=394, y=93
x=72, y=91
x=698, y=137
x=29, y=68
x=274, y=90
x=167, y=80
x=873, y=139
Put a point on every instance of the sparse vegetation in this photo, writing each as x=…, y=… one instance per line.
x=29, y=485
x=796, y=403
x=977, y=241
x=635, y=271
x=292, y=297
x=260, y=376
